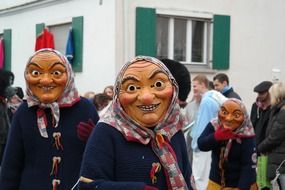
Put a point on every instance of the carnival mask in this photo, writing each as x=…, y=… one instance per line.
x=145, y=93
x=46, y=76
x=231, y=115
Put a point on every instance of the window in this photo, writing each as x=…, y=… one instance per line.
x=196, y=38
x=60, y=34
x=183, y=39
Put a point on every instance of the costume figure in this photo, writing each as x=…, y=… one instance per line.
x=47, y=137
x=138, y=144
x=231, y=139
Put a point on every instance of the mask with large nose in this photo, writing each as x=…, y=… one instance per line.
x=46, y=76
x=145, y=93
x=231, y=115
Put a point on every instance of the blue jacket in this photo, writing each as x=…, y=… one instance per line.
x=240, y=166
x=28, y=158
x=117, y=164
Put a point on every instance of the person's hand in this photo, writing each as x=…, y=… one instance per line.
x=222, y=134
x=148, y=187
x=84, y=130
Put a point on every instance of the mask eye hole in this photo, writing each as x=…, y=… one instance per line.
x=35, y=72
x=132, y=88
x=158, y=85
x=237, y=115
x=57, y=73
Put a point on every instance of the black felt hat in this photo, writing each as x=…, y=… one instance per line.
x=181, y=75
x=262, y=87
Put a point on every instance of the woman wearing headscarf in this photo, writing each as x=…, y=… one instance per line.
x=231, y=138
x=138, y=144
x=47, y=138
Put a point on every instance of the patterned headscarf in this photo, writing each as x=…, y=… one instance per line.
x=68, y=98
x=160, y=136
x=245, y=130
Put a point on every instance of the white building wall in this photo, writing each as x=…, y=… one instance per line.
x=98, y=38
x=257, y=37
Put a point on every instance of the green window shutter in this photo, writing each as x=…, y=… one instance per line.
x=77, y=29
x=221, y=42
x=7, y=36
x=39, y=28
x=145, y=31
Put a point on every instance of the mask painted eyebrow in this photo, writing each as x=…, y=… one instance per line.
x=156, y=72
x=56, y=63
x=129, y=78
x=53, y=65
x=35, y=64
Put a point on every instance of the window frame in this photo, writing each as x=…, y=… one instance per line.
x=77, y=24
x=206, y=37
x=219, y=43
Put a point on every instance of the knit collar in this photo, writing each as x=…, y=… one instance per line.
x=160, y=136
x=69, y=96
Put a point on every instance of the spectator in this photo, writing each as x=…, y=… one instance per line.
x=139, y=143
x=221, y=84
x=192, y=109
x=49, y=130
x=230, y=137
x=101, y=102
x=208, y=109
x=274, y=143
x=260, y=110
x=6, y=80
x=109, y=91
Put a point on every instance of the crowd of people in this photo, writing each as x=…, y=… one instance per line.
x=143, y=133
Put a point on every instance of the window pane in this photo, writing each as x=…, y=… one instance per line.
x=60, y=34
x=180, y=39
x=197, y=41
x=162, y=37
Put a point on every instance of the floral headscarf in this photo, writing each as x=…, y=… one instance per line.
x=67, y=99
x=245, y=130
x=159, y=138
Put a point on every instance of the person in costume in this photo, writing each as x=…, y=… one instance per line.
x=49, y=130
x=231, y=138
x=138, y=143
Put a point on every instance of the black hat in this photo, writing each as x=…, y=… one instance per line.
x=262, y=87
x=181, y=75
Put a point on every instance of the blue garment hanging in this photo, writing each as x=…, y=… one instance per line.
x=69, y=52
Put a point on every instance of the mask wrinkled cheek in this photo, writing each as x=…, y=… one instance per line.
x=125, y=99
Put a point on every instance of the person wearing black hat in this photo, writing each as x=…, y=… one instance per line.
x=183, y=78
x=260, y=110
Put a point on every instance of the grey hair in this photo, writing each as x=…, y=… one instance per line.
x=277, y=93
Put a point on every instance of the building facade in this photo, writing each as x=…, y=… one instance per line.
x=244, y=39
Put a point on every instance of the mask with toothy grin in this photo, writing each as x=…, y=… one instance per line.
x=148, y=108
